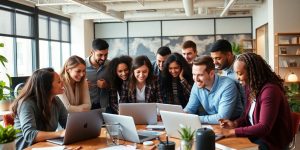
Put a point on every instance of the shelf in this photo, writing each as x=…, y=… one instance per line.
x=287, y=44
x=287, y=55
x=289, y=67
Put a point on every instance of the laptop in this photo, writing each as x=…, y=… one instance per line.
x=142, y=113
x=172, y=121
x=169, y=107
x=128, y=129
x=80, y=126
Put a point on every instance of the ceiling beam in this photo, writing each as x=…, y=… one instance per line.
x=227, y=7
x=100, y=8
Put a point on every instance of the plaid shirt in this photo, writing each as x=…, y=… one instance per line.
x=152, y=93
x=183, y=88
x=113, y=100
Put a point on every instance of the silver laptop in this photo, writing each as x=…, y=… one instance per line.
x=169, y=107
x=172, y=121
x=128, y=129
x=80, y=126
x=142, y=113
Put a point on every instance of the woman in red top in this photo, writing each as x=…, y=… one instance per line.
x=267, y=118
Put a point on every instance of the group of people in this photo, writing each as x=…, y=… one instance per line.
x=241, y=93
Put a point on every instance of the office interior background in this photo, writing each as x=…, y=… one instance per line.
x=44, y=33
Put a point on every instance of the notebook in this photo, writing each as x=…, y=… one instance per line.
x=142, y=113
x=80, y=126
x=128, y=129
x=172, y=121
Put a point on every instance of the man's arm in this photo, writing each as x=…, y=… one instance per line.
x=227, y=104
x=194, y=103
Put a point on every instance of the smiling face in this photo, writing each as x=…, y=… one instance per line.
x=189, y=54
x=160, y=61
x=99, y=56
x=202, y=78
x=141, y=73
x=122, y=71
x=220, y=60
x=174, y=69
x=241, y=72
x=57, y=85
x=77, y=73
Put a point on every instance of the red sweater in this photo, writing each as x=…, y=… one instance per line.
x=271, y=118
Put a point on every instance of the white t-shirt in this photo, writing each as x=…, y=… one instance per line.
x=251, y=111
x=140, y=94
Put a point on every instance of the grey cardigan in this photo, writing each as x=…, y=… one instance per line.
x=28, y=120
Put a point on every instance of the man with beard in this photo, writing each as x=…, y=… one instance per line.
x=221, y=53
x=218, y=95
x=95, y=66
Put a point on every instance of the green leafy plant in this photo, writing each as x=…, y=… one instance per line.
x=8, y=134
x=236, y=48
x=292, y=90
x=3, y=85
x=186, y=133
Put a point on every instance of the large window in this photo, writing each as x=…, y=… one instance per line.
x=54, y=42
x=18, y=33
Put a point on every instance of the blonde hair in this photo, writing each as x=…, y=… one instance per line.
x=71, y=63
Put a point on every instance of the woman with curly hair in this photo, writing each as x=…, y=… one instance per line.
x=267, y=118
x=117, y=72
x=177, y=80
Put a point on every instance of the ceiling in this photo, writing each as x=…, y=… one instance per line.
x=134, y=10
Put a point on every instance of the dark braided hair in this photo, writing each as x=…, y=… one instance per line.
x=259, y=73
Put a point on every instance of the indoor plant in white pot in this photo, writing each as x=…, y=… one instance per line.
x=5, y=97
x=187, y=137
x=7, y=137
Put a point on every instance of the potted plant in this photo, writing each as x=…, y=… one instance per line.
x=5, y=97
x=7, y=137
x=292, y=91
x=187, y=137
x=236, y=48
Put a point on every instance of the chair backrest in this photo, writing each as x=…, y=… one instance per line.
x=295, y=122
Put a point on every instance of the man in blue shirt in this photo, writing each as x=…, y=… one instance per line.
x=218, y=95
x=95, y=66
x=221, y=53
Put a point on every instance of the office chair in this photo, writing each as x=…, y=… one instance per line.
x=295, y=128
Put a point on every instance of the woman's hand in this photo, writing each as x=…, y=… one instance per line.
x=181, y=75
x=228, y=132
x=227, y=124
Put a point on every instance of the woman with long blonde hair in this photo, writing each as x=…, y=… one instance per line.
x=76, y=97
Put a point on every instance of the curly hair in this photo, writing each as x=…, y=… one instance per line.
x=259, y=73
x=111, y=71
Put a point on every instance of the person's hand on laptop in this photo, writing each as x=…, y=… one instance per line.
x=61, y=133
x=227, y=124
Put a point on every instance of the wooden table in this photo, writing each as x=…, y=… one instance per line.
x=100, y=142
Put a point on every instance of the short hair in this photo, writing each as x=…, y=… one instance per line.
x=205, y=60
x=189, y=44
x=99, y=44
x=222, y=46
x=164, y=51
